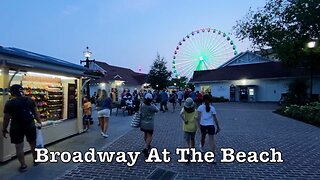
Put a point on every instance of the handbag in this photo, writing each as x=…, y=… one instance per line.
x=39, y=140
x=136, y=120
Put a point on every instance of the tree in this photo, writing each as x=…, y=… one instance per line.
x=286, y=26
x=158, y=76
x=180, y=82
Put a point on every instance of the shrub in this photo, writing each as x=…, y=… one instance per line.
x=309, y=113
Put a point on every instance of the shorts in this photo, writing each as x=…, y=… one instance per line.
x=87, y=118
x=189, y=135
x=104, y=113
x=17, y=135
x=147, y=131
x=207, y=130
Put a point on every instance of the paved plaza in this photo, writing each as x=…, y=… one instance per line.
x=244, y=127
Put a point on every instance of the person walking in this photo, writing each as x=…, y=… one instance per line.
x=173, y=100
x=147, y=111
x=22, y=111
x=180, y=97
x=207, y=118
x=164, y=100
x=86, y=113
x=188, y=114
x=104, y=104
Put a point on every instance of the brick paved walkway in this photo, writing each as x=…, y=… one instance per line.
x=245, y=127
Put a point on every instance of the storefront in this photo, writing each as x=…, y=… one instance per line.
x=54, y=85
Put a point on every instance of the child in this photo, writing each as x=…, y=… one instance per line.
x=188, y=114
x=86, y=113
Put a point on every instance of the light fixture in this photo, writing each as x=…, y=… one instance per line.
x=87, y=53
x=311, y=44
x=102, y=85
x=50, y=75
x=244, y=81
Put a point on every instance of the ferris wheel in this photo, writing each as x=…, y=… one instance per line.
x=203, y=49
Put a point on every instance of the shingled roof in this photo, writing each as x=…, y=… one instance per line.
x=119, y=73
x=248, y=71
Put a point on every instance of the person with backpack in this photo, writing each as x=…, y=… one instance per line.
x=188, y=114
x=20, y=111
x=207, y=119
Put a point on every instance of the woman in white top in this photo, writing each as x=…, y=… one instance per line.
x=207, y=118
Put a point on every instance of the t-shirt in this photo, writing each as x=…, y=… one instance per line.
x=147, y=116
x=180, y=95
x=164, y=96
x=190, y=126
x=104, y=103
x=21, y=111
x=87, y=108
x=206, y=117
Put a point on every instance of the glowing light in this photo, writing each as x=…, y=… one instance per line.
x=311, y=44
x=201, y=58
x=102, y=85
x=244, y=81
x=49, y=75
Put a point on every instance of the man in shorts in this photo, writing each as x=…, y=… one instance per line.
x=21, y=111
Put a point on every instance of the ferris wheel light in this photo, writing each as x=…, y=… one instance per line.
x=192, y=55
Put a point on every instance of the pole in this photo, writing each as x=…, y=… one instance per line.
x=88, y=84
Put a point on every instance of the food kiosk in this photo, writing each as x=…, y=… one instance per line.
x=55, y=85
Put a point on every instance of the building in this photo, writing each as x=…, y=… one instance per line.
x=251, y=77
x=116, y=79
x=54, y=84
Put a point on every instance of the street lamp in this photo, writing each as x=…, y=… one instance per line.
x=87, y=55
x=311, y=45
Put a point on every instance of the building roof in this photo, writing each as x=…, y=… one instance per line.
x=20, y=53
x=246, y=57
x=248, y=71
x=123, y=74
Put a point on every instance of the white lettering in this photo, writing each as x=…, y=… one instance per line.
x=261, y=157
x=91, y=154
x=65, y=157
x=209, y=157
x=273, y=155
x=153, y=154
x=41, y=152
x=182, y=152
x=241, y=157
x=134, y=157
x=227, y=152
x=194, y=155
x=252, y=157
x=166, y=155
x=77, y=157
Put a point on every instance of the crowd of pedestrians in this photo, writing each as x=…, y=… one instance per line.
x=197, y=114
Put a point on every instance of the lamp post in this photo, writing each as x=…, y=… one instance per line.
x=311, y=45
x=87, y=55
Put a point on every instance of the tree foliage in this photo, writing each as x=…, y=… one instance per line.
x=180, y=82
x=284, y=25
x=158, y=76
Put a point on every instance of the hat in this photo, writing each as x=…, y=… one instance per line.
x=16, y=90
x=148, y=96
x=189, y=103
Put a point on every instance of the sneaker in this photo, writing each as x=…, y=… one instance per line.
x=101, y=133
x=105, y=135
x=201, y=148
x=23, y=168
x=85, y=130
